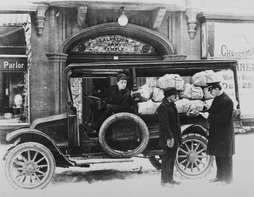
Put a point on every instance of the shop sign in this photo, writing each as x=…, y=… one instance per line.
x=236, y=41
x=13, y=63
x=113, y=44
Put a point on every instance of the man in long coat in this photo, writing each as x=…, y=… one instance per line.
x=169, y=136
x=221, y=142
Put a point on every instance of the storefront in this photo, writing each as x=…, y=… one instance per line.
x=15, y=63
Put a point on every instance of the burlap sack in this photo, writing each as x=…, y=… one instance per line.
x=170, y=80
x=191, y=92
x=200, y=78
x=148, y=107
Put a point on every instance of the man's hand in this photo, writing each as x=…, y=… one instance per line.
x=170, y=142
x=192, y=113
x=204, y=114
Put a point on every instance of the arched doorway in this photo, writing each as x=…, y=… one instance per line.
x=110, y=42
x=161, y=45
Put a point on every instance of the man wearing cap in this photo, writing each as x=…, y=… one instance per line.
x=221, y=142
x=117, y=99
x=169, y=136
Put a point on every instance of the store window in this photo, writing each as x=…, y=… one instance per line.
x=14, y=72
x=14, y=90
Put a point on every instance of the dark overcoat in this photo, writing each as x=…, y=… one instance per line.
x=221, y=135
x=169, y=124
x=120, y=100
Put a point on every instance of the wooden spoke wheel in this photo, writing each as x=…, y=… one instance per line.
x=29, y=165
x=192, y=160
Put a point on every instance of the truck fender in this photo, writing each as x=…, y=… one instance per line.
x=194, y=128
x=17, y=134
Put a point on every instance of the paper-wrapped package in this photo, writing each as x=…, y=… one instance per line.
x=170, y=80
x=191, y=92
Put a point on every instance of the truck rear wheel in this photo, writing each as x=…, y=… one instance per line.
x=191, y=159
x=124, y=135
x=29, y=165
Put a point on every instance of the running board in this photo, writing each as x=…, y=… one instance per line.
x=86, y=162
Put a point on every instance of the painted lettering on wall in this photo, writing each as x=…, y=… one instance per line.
x=236, y=41
x=230, y=53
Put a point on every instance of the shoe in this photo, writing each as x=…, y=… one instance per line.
x=168, y=185
x=222, y=183
x=173, y=182
x=215, y=180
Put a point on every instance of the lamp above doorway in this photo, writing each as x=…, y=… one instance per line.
x=122, y=20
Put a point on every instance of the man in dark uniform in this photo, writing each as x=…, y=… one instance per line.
x=221, y=142
x=170, y=136
x=117, y=99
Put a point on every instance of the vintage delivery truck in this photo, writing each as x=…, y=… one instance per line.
x=61, y=140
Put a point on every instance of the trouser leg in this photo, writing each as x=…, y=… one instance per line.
x=167, y=164
x=228, y=169
x=218, y=161
x=102, y=118
x=225, y=168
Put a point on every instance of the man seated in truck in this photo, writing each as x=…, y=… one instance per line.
x=117, y=99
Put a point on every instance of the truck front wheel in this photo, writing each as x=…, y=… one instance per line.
x=29, y=165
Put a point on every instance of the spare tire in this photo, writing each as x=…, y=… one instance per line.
x=124, y=135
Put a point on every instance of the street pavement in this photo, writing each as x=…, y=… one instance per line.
x=139, y=179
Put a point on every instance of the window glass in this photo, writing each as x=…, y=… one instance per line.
x=13, y=97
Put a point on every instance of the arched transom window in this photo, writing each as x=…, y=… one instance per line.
x=113, y=44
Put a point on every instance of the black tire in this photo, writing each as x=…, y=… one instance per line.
x=192, y=160
x=135, y=125
x=29, y=165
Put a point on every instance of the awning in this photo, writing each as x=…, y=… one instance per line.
x=13, y=19
x=18, y=6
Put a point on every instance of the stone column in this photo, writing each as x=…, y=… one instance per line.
x=58, y=61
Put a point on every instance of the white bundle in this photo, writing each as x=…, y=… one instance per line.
x=183, y=105
x=191, y=92
x=196, y=105
x=158, y=95
x=148, y=107
x=170, y=80
x=200, y=78
x=145, y=92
